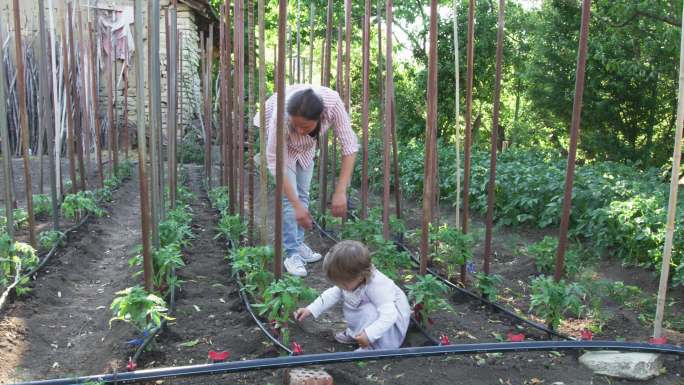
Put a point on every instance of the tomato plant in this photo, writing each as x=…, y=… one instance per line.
x=49, y=238
x=231, y=228
x=427, y=295
x=451, y=247
x=487, y=284
x=15, y=257
x=135, y=306
x=80, y=204
x=551, y=300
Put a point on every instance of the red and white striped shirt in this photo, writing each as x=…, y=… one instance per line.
x=302, y=148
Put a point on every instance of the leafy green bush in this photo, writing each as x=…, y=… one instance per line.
x=125, y=169
x=544, y=253
x=135, y=306
x=281, y=299
x=231, y=228
x=451, y=247
x=191, y=151
x=42, y=205
x=387, y=258
x=427, y=295
x=253, y=264
x=20, y=217
x=551, y=300
x=80, y=204
x=15, y=257
x=49, y=238
x=487, y=284
x=219, y=199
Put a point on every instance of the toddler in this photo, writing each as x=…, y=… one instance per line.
x=375, y=308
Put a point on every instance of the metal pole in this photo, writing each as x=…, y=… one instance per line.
x=574, y=137
x=45, y=113
x=495, y=128
x=6, y=152
x=21, y=87
x=93, y=84
x=672, y=204
x=154, y=116
x=171, y=119
x=148, y=267
x=280, y=134
x=229, y=115
x=222, y=96
x=469, y=123
x=240, y=107
x=388, y=118
x=364, y=107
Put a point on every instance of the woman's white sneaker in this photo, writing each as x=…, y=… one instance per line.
x=295, y=266
x=308, y=255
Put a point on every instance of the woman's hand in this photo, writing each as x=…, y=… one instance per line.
x=362, y=339
x=339, y=204
x=301, y=314
x=303, y=217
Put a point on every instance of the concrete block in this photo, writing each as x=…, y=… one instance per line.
x=302, y=376
x=632, y=366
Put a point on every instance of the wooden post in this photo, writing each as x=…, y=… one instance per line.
x=495, y=128
x=299, y=50
x=240, y=105
x=93, y=84
x=84, y=148
x=250, y=126
x=222, y=96
x=347, y=55
x=148, y=267
x=6, y=152
x=263, y=168
x=469, y=123
x=126, y=134
x=73, y=74
x=457, y=79
x=155, y=118
x=364, y=107
x=230, y=132
x=21, y=88
x=208, y=113
x=388, y=118
x=672, y=203
x=323, y=163
x=280, y=141
x=574, y=137
x=172, y=117
x=57, y=105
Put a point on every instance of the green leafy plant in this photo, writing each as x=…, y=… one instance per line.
x=136, y=306
x=544, y=253
x=387, y=258
x=125, y=169
x=451, y=247
x=219, y=199
x=42, y=205
x=487, y=284
x=49, y=238
x=172, y=232
x=15, y=257
x=231, y=228
x=280, y=301
x=165, y=260
x=252, y=265
x=427, y=296
x=80, y=204
x=20, y=217
x=551, y=300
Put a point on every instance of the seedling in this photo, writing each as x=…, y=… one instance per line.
x=80, y=204
x=388, y=259
x=135, y=306
x=427, y=296
x=15, y=257
x=49, y=238
x=42, y=204
x=551, y=300
x=451, y=247
x=487, y=284
x=231, y=228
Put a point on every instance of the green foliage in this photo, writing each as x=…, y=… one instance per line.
x=451, y=247
x=15, y=257
x=231, y=228
x=552, y=300
x=427, y=295
x=42, y=205
x=80, y=204
x=253, y=265
x=281, y=299
x=125, y=169
x=219, y=199
x=388, y=259
x=135, y=306
x=487, y=284
x=191, y=151
x=176, y=228
x=544, y=253
x=49, y=238
x=20, y=218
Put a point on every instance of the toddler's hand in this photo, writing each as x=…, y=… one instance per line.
x=362, y=339
x=301, y=314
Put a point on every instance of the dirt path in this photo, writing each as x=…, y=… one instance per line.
x=61, y=328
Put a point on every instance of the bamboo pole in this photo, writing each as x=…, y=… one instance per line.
x=364, y=107
x=171, y=125
x=280, y=141
x=6, y=152
x=347, y=55
x=98, y=128
x=430, y=137
x=457, y=79
x=574, y=137
x=386, y=129
x=45, y=112
x=495, y=128
x=148, y=267
x=250, y=127
x=672, y=203
x=263, y=168
x=469, y=124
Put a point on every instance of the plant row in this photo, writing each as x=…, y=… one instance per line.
x=617, y=208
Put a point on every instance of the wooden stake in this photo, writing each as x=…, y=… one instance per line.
x=240, y=106
x=93, y=84
x=77, y=126
x=6, y=152
x=457, y=79
x=323, y=163
x=312, y=12
x=347, y=55
x=574, y=137
x=263, y=168
x=495, y=128
x=250, y=127
x=469, y=123
x=172, y=116
x=364, y=108
x=155, y=118
x=388, y=119
x=208, y=113
x=69, y=110
x=280, y=143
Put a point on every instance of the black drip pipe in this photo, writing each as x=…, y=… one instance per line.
x=368, y=355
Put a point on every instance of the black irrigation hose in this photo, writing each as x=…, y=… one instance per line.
x=368, y=355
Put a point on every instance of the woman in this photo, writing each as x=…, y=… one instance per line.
x=310, y=112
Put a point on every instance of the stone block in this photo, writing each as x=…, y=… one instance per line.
x=632, y=366
x=302, y=376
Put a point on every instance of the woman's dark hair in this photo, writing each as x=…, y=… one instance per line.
x=306, y=104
